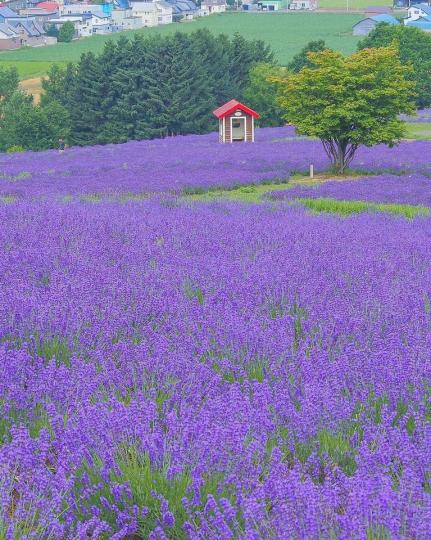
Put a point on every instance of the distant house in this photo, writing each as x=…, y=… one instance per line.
x=183, y=10
x=417, y=11
x=419, y=16
x=7, y=14
x=364, y=27
x=303, y=5
x=9, y=38
x=48, y=6
x=38, y=14
x=30, y=32
x=164, y=12
x=272, y=5
x=82, y=23
x=146, y=10
x=248, y=6
x=123, y=19
x=208, y=7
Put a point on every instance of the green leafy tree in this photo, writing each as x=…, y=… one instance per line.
x=59, y=84
x=348, y=101
x=30, y=127
x=301, y=59
x=66, y=32
x=9, y=83
x=414, y=47
x=261, y=94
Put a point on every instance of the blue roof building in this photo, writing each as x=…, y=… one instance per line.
x=364, y=27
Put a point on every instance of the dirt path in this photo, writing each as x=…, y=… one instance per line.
x=34, y=87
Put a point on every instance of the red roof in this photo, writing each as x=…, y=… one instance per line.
x=49, y=6
x=232, y=106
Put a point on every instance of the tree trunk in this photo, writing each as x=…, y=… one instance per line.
x=340, y=153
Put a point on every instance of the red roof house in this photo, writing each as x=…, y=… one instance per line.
x=48, y=6
x=236, y=122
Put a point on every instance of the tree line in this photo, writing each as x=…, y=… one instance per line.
x=153, y=87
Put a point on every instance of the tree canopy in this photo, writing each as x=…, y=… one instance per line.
x=66, y=32
x=261, y=94
x=414, y=46
x=349, y=101
x=301, y=59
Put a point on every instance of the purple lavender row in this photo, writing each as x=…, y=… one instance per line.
x=410, y=189
x=273, y=367
x=422, y=116
x=175, y=164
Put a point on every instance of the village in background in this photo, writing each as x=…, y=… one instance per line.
x=35, y=23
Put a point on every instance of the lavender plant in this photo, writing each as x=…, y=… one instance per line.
x=217, y=370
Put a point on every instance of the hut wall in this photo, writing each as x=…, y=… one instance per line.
x=227, y=129
x=249, y=128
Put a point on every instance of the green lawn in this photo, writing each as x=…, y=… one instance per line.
x=357, y=5
x=27, y=70
x=419, y=131
x=287, y=33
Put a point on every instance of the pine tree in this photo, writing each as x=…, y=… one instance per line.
x=86, y=99
x=214, y=54
x=182, y=101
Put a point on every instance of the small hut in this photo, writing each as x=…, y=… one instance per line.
x=236, y=122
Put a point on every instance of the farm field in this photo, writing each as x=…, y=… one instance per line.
x=191, y=348
x=353, y=5
x=287, y=33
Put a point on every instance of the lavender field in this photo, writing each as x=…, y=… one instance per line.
x=172, y=369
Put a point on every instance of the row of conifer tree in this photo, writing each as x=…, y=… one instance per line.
x=152, y=87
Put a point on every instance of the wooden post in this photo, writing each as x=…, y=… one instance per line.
x=311, y=171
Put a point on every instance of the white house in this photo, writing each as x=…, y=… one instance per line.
x=417, y=11
x=164, y=12
x=83, y=24
x=208, y=7
x=124, y=20
x=147, y=11
x=307, y=5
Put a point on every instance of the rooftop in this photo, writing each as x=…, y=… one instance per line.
x=231, y=106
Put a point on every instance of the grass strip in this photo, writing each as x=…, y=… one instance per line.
x=347, y=208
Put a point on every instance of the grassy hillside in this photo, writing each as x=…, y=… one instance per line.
x=287, y=33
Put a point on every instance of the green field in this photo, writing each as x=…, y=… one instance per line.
x=419, y=131
x=287, y=33
x=352, y=5
x=27, y=70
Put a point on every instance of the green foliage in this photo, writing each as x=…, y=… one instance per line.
x=301, y=59
x=414, y=47
x=32, y=127
x=261, y=95
x=26, y=70
x=346, y=208
x=419, y=131
x=147, y=482
x=9, y=81
x=348, y=101
x=154, y=87
x=66, y=32
x=15, y=149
